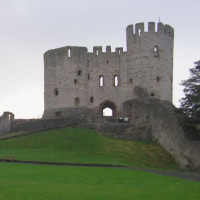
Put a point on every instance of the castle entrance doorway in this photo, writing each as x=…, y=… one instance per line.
x=108, y=109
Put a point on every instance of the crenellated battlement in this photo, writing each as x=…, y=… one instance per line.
x=98, y=50
x=139, y=29
x=71, y=51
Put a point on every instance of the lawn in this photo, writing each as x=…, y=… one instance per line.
x=39, y=182
x=81, y=145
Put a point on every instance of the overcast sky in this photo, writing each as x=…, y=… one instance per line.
x=28, y=28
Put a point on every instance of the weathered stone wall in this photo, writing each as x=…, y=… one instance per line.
x=72, y=74
x=6, y=123
x=167, y=132
x=165, y=128
x=150, y=59
x=135, y=131
x=139, y=130
x=35, y=125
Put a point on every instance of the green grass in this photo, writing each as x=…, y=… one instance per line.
x=38, y=182
x=82, y=145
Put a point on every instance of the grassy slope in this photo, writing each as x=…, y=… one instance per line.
x=35, y=182
x=85, y=146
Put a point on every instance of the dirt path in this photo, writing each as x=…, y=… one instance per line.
x=194, y=176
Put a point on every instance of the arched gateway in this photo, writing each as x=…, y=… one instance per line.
x=107, y=109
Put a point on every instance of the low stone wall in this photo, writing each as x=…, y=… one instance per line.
x=109, y=127
x=136, y=131
x=29, y=126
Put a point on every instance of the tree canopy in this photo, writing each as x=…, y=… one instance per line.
x=190, y=104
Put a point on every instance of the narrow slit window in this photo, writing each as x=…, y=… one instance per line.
x=116, y=80
x=91, y=99
x=139, y=32
x=130, y=80
x=97, y=52
x=155, y=50
x=69, y=53
x=88, y=76
x=88, y=62
x=79, y=72
x=75, y=81
x=101, y=81
x=56, y=91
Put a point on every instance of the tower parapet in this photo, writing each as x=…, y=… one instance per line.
x=137, y=33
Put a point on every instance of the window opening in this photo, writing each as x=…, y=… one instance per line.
x=152, y=94
x=75, y=81
x=130, y=80
x=91, y=99
x=79, y=72
x=158, y=79
x=107, y=112
x=139, y=32
x=88, y=76
x=155, y=49
x=9, y=117
x=101, y=81
x=88, y=62
x=76, y=101
x=97, y=52
x=58, y=114
x=69, y=53
x=116, y=80
x=56, y=91
x=107, y=61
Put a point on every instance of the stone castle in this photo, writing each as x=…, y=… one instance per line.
x=135, y=84
x=78, y=83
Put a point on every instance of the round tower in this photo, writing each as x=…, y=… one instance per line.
x=150, y=58
x=65, y=75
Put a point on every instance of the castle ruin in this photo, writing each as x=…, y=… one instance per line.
x=135, y=84
x=78, y=83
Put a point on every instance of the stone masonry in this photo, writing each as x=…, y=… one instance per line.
x=6, y=122
x=78, y=83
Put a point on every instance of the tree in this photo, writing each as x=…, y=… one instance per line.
x=190, y=104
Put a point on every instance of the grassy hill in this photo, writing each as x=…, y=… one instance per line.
x=80, y=145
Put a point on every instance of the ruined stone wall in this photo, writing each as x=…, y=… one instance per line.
x=72, y=74
x=6, y=123
x=165, y=128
